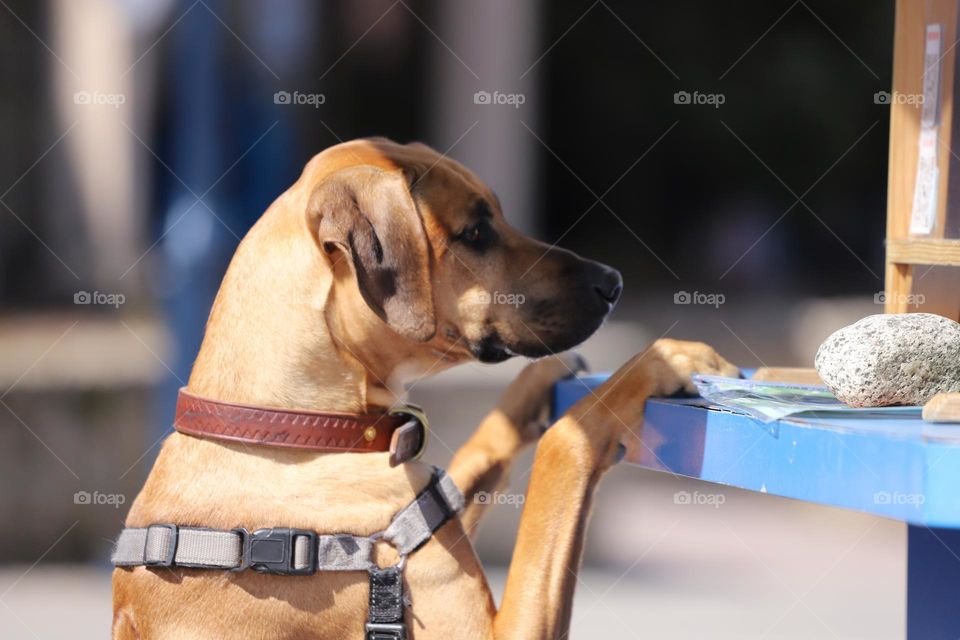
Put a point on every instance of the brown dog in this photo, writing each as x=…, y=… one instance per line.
x=381, y=265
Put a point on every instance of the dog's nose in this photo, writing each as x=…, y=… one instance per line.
x=609, y=285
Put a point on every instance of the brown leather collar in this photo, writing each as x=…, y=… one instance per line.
x=403, y=433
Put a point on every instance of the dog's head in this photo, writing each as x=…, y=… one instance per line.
x=424, y=243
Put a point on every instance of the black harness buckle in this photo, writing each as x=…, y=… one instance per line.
x=385, y=631
x=274, y=550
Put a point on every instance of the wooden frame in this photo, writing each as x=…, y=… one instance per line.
x=937, y=287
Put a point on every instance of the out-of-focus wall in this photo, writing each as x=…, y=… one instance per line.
x=144, y=138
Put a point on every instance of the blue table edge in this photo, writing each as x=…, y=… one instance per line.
x=903, y=469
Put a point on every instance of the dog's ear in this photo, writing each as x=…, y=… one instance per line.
x=369, y=215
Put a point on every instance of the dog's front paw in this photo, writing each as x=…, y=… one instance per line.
x=526, y=401
x=672, y=364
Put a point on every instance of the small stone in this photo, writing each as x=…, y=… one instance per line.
x=892, y=359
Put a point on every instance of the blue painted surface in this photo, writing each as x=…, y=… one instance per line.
x=899, y=468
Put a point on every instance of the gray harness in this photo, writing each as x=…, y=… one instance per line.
x=286, y=551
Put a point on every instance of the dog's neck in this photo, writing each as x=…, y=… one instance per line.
x=277, y=335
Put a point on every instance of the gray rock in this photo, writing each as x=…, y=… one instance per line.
x=888, y=359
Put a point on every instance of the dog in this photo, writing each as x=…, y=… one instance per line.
x=378, y=267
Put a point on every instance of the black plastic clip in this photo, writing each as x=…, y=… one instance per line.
x=273, y=551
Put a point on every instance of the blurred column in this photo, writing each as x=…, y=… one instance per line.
x=230, y=144
x=496, y=42
x=104, y=93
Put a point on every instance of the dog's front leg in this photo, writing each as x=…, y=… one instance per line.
x=482, y=465
x=571, y=458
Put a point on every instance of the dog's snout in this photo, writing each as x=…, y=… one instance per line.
x=609, y=284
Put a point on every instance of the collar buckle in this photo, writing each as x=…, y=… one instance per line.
x=410, y=440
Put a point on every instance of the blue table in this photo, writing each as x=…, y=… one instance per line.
x=899, y=468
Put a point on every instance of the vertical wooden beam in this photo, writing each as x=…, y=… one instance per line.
x=904, y=118
x=899, y=285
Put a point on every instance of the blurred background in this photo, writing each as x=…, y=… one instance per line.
x=729, y=158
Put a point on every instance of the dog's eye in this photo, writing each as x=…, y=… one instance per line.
x=477, y=236
x=472, y=234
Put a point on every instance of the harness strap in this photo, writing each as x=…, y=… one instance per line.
x=169, y=545
x=288, y=551
x=415, y=523
x=385, y=613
